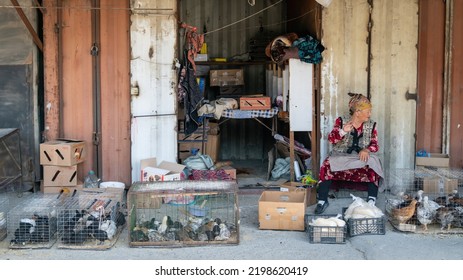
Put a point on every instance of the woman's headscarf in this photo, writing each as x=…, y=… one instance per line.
x=358, y=102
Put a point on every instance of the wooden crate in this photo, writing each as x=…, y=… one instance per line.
x=255, y=103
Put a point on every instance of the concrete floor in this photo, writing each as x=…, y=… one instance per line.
x=256, y=244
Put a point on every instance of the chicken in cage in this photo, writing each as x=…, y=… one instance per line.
x=32, y=223
x=432, y=206
x=183, y=213
x=90, y=221
x=4, y=205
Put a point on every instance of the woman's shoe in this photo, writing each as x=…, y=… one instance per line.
x=321, y=208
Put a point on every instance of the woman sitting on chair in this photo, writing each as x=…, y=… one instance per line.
x=355, y=140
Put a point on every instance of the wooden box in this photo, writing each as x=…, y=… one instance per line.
x=227, y=77
x=255, y=103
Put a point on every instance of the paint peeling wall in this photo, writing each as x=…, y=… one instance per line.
x=154, y=121
x=393, y=71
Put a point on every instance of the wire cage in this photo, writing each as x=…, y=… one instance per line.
x=91, y=220
x=183, y=213
x=425, y=200
x=32, y=223
x=4, y=205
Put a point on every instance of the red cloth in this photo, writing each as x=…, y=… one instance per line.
x=194, y=43
x=207, y=175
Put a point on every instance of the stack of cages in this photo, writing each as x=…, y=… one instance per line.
x=183, y=213
x=91, y=220
x=32, y=223
x=325, y=233
x=424, y=200
x=4, y=205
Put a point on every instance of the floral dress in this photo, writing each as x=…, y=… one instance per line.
x=364, y=174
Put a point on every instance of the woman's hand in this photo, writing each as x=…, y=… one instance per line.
x=348, y=126
x=364, y=155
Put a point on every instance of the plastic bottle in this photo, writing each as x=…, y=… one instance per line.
x=91, y=180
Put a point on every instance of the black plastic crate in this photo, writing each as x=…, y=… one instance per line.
x=366, y=226
x=325, y=234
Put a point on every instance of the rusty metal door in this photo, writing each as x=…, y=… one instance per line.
x=439, y=99
x=94, y=48
x=455, y=87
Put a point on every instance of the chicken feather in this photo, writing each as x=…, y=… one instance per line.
x=402, y=215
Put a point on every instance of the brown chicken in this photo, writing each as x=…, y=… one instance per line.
x=402, y=215
x=456, y=201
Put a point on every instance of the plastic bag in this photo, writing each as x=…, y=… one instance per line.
x=199, y=162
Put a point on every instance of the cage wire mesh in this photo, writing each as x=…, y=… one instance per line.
x=4, y=206
x=90, y=221
x=425, y=200
x=32, y=223
x=183, y=213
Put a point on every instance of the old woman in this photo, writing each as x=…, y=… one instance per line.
x=352, y=158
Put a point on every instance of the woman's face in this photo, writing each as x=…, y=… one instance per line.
x=364, y=114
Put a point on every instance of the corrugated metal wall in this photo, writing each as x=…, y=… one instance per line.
x=456, y=87
x=393, y=70
x=234, y=28
x=19, y=86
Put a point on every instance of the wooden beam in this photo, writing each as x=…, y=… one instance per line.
x=29, y=27
x=51, y=65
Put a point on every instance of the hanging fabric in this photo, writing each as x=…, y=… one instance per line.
x=188, y=88
x=190, y=94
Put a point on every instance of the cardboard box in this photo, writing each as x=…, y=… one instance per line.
x=434, y=159
x=165, y=171
x=443, y=186
x=311, y=192
x=62, y=152
x=57, y=189
x=182, y=137
x=230, y=171
x=213, y=147
x=231, y=90
x=201, y=57
x=214, y=128
x=255, y=103
x=282, y=210
x=228, y=77
x=59, y=176
x=184, y=149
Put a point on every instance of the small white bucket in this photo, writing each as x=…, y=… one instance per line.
x=111, y=184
